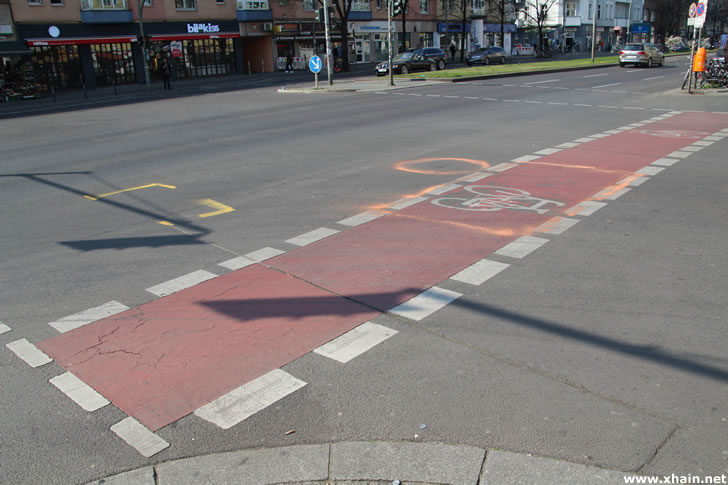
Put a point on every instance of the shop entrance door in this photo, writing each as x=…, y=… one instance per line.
x=362, y=48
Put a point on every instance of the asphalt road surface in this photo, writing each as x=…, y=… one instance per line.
x=527, y=286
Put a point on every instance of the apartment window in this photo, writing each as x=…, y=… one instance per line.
x=379, y=4
x=599, y=12
x=571, y=10
x=424, y=6
x=57, y=3
x=147, y=3
x=590, y=11
x=360, y=6
x=220, y=2
x=308, y=5
x=35, y=2
x=103, y=4
x=185, y=4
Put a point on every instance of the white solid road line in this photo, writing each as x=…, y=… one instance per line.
x=651, y=78
x=237, y=263
x=359, y=219
x=403, y=203
x=426, y=303
x=181, y=283
x=557, y=225
x=256, y=395
x=522, y=247
x=139, y=437
x=355, y=342
x=29, y=353
x=312, y=236
x=87, y=316
x=79, y=392
x=264, y=253
x=4, y=328
x=480, y=272
x=586, y=208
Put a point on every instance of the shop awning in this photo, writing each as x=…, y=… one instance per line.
x=14, y=47
x=115, y=39
x=216, y=35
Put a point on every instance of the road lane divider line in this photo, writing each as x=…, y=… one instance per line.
x=557, y=225
x=715, y=137
x=403, y=203
x=584, y=140
x=649, y=170
x=679, y=154
x=312, y=236
x=691, y=149
x=79, y=392
x=611, y=193
x=608, y=107
x=139, y=437
x=29, y=353
x=426, y=303
x=237, y=263
x=4, y=328
x=542, y=82
x=250, y=398
x=548, y=151
x=521, y=247
x=605, y=85
x=595, y=75
x=666, y=162
x=474, y=177
x=480, y=272
x=181, y=283
x=599, y=135
x=85, y=317
x=569, y=144
x=585, y=208
x=442, y=189
x=355, y=342
x=583, y=105
x=703, y=143
x=502, y=167
x=264, y=253
x=526, y=158
x=359, y=219
x=633, y=180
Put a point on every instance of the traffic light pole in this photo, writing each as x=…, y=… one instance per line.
x=328, y=42
x=389, y=41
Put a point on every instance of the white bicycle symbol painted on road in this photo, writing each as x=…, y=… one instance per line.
x=494, y=198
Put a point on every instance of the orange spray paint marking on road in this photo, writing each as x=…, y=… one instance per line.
x=410, y=165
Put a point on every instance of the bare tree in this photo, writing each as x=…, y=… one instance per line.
x=342, y=9
x=537, y=12
x=499, y=11
x=461, y=12
x=668, y=15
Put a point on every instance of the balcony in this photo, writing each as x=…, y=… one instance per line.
x=105, y=12
x=254, y=11
x=360, y=10
x=572, y=21
x=621, y=23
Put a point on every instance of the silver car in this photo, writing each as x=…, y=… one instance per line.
x=643, y=54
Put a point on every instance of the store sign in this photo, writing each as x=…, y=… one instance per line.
x=285, y=28
x=6, y=29
x=202, y=28
x=54, y=31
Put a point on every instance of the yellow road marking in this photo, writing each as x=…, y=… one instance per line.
x=91, y=197
x=221, y=208
x=166, y=223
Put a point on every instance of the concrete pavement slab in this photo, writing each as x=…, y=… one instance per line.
x=276, y=465
x=141, y=476
x=409, y=462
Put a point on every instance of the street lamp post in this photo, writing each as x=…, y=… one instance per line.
x=594, y=30
x=140, y=16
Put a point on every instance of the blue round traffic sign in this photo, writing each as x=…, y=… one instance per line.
x=315, y=64
x=691, y=11
x=701, y=9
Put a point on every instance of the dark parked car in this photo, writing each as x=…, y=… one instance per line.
x=435, y=53
x=407, y=62
x=486, y=56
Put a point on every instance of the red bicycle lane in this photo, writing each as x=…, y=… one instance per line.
x=165, y=359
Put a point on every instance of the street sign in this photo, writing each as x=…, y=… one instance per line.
x=693, y=10
x=700, y=13
x=314, y=64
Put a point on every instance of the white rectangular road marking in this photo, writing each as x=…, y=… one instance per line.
x=558, y=103
x=691, y=149
x=584, y=140
x=181, y=283
x=522, y=247
x=402, y=203
x=355, y=342
x=610, y=193
x=568, y=145
x=542, y=82
x=4, y=328
x=595, y=75
x=633, y=107
x=718, y=137
x=583, y=105
x=444, y=188
x=679, y=154
x=426, y=303
x=613, y=132
x=650, y=170
x=312, y=236
x=29, y=353
x=241, y=403
x=665, y=162
x=610, y=107
x=480, y=272
x=557, y=225
x=651, y=78
x=526, y=158
x=237, y=263
x=79, y=392
x=87, y=316
x=264, y=253
x=703, y=143
x=139, y=437
x=606, y=85
x=625, y=128
x=633, y=181
x=502, y=167
x=359, y=219
x=475, y=177
x=599, y=135
x=586, y=208
x=547, y=151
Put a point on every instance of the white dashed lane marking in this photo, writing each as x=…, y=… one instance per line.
x=403, y=203
x=181, y=283
x=666, y=162
x=361, y=218
x=237, y=263
x=426, y=303
x=138, y=437
x=522, y=247
x=87, y=316
x=650, y=170
x=586, y=208
x=557, y=225
x=28, y=353
x=264, y=253
x=79, y=392
x=4, y=328
x=479, y=272
x=355, y=342
x=444, y=189
x=312, y=236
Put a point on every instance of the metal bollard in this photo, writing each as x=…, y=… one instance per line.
x=262, y=65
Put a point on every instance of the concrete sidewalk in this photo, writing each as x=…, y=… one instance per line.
x=373, y=462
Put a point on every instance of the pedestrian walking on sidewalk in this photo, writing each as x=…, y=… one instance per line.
x=453, y=50
x=166, y=73
x=289, y=62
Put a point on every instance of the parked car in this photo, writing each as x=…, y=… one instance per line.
x=643, y=54
x=486, y=56
x=407, y=62
x=435, y=53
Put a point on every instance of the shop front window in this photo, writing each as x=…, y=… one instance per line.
x=113, y=64
x=197, y=58
x=55, y=68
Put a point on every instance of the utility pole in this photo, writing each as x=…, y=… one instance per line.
x=594, y=30
x=390, y=6
x=328, y=41
x=140, y=16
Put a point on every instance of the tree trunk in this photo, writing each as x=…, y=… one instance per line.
x=344, y=31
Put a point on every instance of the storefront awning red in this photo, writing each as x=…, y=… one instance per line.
x=217, y=35
x=81, y=40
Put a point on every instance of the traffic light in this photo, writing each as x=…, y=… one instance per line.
x=320, y=14
x=397, y=7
